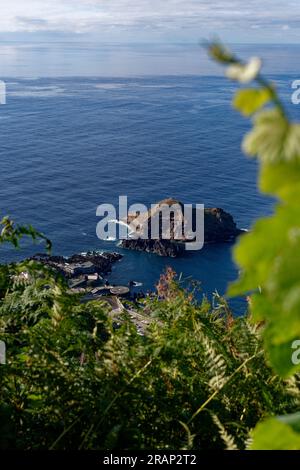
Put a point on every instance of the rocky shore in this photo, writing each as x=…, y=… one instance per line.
x=80, y=264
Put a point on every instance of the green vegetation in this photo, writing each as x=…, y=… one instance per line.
x=199, y=378
x=269, y=255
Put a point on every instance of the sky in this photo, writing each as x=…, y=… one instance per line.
x=151, y=21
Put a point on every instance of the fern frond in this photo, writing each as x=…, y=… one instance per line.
x=225, y=436
x=215, y=364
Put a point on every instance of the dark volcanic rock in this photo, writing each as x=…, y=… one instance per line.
x=102, y=261
x=159, y=247
x=219, y=227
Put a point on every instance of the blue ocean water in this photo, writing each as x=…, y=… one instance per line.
x=68, y=144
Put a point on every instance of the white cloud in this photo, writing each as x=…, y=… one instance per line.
x=164, y=16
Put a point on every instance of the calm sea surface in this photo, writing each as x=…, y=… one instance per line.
x=156, y=128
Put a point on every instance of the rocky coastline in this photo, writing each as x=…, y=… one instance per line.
x=88, y=263
x=219, y=227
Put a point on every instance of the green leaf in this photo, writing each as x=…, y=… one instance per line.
x=270, y=265
x=35, y=397
x=250, y=100
x=281, y=179
x=273, y=139
x=280, y=433
x=292, y=420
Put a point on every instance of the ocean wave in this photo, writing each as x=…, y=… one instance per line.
x=38, y=92
x=123, y=224
x=110, y=86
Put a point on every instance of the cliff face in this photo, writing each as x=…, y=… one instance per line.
x=159, y=247
x=219, y=227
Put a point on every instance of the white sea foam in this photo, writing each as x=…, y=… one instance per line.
x=121, y=222
x=141, y=85
x=110, y=86
x=38, y=92
x=137, y=284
